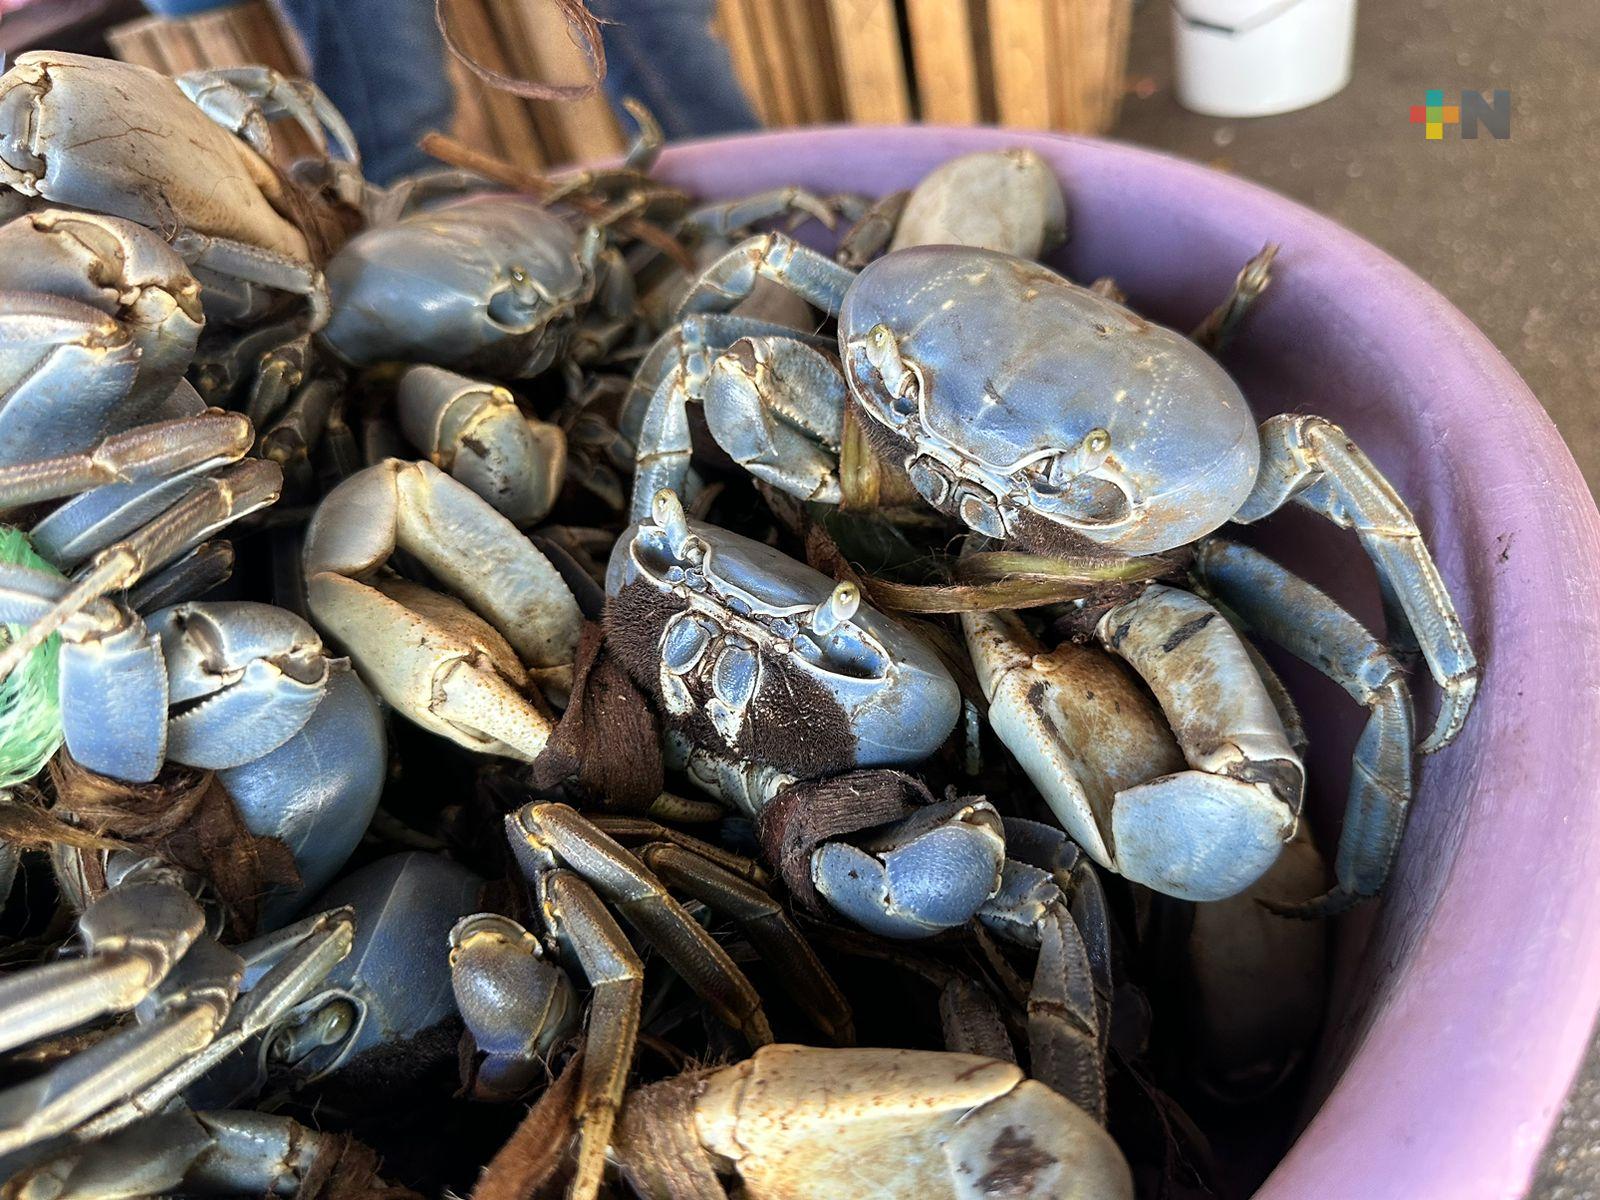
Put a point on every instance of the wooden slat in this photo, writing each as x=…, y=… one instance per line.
x=871, y=67
x=256, y=29
x=1121, y=25
x=827, y=61
x=217, y=40
x=514, y=129
x=272, y=24
x=586, y=128
x=135, y=43
x=178, y=47
x=773, y=51
x=1073, y=62
x=807, y=52
x=739, y=33
x=1021, y=36
x=472, y=123
x=944, y=54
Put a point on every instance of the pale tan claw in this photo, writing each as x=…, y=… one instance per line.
x=460, y=663
x=801, y=1123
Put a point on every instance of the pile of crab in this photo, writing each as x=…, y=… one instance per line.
x=530, y=686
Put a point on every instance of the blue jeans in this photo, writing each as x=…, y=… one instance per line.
x=382, y=63
x=662, y=52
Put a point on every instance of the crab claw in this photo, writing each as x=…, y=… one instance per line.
x=66, y=371
x=243, y=678
x=476, y=432
x=125, y=270
x=112, y=679
x=462, y=672
x=1106, y=761
x=435, y=661
x=920, y=876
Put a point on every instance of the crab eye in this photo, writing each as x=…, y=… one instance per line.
x=1097, y=441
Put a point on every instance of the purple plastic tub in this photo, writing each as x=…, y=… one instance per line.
x=1462, y=1004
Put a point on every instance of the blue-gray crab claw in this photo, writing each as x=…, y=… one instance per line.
x=243, y=678
x=66, y=371
x=123, y=269
x=1120, y=787
x=925, y=874
x=111, y=677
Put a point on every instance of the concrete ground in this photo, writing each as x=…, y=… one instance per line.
x=1508, y=230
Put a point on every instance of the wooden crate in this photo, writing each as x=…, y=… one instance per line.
x=519, y=38
x=1041, y=64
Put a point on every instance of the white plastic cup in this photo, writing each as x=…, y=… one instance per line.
x=1253, y=58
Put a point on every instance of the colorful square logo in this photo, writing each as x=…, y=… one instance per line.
x=1434, y=114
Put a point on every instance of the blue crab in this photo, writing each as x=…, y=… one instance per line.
x=213, y=1024
x=1045, y=414
x=768, y=673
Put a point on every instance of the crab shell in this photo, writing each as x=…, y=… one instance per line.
x=396, y=978
x=486, y=283
x=1038, y=410
x=864, y=693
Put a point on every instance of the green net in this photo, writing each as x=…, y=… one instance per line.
x=30, y=709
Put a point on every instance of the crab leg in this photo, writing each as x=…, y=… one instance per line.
x=675, y=371
x=1211, y=831
x=244, y=99
x=1307, y=623
x=182, y=1016
x=1217, y=330
x=133, y=936
x=815, y=278
x=587, y=932
x=242, y=489
x=1065, y=1037
x=232, y=1153
x=224, y=264
x=157, y=451
x=724, y=220
x=280, y=971
x=543, y=835
x=1311, y=461
x=1048, y=849
x=768, y=927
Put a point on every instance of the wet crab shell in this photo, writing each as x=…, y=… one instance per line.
x=1038, y=410
x=867, y=693
x=485, y=283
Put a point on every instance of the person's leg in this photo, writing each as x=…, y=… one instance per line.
x=382, y=62
x=663, y=53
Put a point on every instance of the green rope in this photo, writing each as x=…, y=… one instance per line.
x=30, y=709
